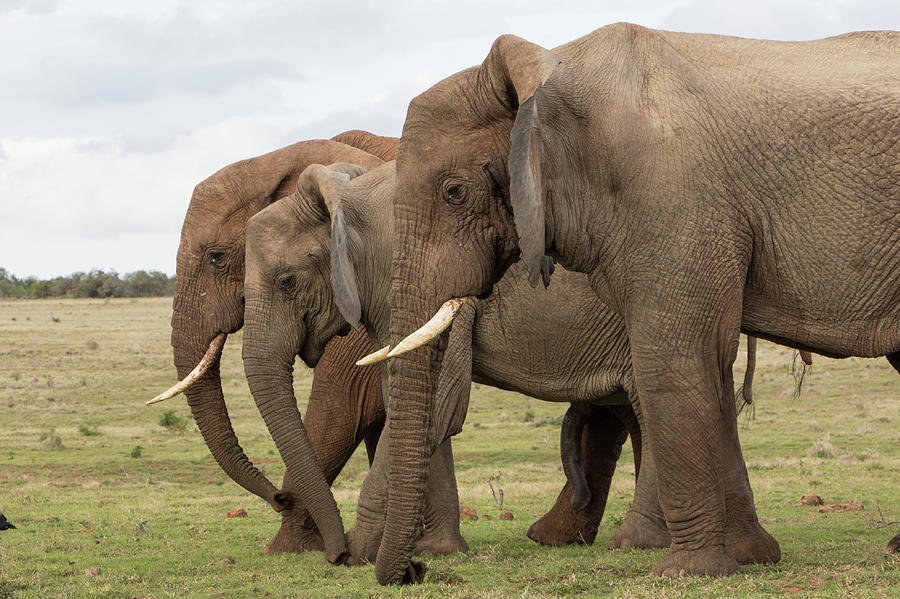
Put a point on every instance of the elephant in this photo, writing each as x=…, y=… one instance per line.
x=208, y=302
x=345, y=405
x=706, y=185
x=320, y=259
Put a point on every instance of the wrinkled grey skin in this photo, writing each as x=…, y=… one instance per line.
x=209, y=294
x=705, y=184
x=326, y=251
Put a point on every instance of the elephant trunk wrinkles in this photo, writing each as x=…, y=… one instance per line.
x=271, y=382
x=413, y=379
x=207, y=404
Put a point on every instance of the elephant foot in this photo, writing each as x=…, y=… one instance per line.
x=709, y=561
x=754, y=546
x=438, y=543
x=641, y=532
x=893, y=546
x=296, y=535
x=362, y=546
x=573, y=528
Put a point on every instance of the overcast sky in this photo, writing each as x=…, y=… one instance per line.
x=111, y=112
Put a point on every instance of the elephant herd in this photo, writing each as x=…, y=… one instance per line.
x=689, y=188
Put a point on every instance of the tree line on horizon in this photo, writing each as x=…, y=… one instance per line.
x=95, y=283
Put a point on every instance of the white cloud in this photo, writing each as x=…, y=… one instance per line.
x=110, y=112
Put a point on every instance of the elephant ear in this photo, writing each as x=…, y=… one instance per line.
x=326, y=185
x=517, y=69
x=526, y=191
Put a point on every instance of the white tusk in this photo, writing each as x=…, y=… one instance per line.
x=214, y=351
x=431, y=329
x=375, y=357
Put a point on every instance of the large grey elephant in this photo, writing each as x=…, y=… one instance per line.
x=322, y=257
x=705, y=184
x=345, y=403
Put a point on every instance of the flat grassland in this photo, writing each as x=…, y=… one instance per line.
x=94, y=479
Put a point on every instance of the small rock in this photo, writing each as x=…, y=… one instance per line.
x=226, y=560
x=842, y=506
x=93, y=571
x=811, y=499
x=506, y=516
x=467, y=513
x=237, y=512
x=893, y=547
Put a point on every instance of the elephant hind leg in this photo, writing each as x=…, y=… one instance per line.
x=602, y=437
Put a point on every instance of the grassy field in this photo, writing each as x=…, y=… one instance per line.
x=94, y=479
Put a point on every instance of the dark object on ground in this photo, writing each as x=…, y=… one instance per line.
x=893, y=547
x=811, y=499
x=4, y=523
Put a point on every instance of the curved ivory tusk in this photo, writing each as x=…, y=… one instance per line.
x=375, y=357
x=431, y=329
x=212, y=354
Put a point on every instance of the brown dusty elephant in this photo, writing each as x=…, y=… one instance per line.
x=321, y=258
x=345, y=405
x=209, y=301
x=705, y=184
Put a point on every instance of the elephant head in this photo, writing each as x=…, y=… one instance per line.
x=209, y=298
x=296, y=254
x=456, y=212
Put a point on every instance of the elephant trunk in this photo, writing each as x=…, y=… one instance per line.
x=413, y=378
x=207, y=404
x=270, y=377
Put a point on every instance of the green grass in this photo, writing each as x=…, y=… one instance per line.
x=147, y=506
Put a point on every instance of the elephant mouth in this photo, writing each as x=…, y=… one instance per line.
x=209, y=358
x=312, y=350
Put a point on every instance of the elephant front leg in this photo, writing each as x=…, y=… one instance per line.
x=440, y=534
x=681, y=394
x=601, y=444
x=298, y=532
x=644, y=526
x=745, y=538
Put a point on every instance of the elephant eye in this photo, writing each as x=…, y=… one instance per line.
x=217, y=259
x=287, y=282
x=453, y=194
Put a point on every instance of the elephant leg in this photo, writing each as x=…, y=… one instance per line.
x=644, y=526
x=441, y=524
x=298, y=532
x=442, y=534
x=745, y=538
x=894, y=359
x=601, y=444
x=681, y=367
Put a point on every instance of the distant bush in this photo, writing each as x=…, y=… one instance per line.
x=171, y=421
x=88, y=431
x=50, y=440
x=95, y=283
x=137, y=451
